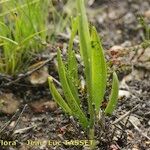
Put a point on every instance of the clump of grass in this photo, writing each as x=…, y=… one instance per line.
x=22, y=32
x=95, y=71
x=25, y=27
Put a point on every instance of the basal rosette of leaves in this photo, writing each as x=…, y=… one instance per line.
x=95, y=72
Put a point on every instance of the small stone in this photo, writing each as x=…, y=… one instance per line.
x=149, y=122
x=129, y=18
x=12, y=124
x=116, y=48
x=39, y=76
x=135, y=149
x=9, y=103
x=135, y=120
x=147, y=14
x=43, y=105
x=123, y=93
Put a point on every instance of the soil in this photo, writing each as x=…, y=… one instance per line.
x=39, y=119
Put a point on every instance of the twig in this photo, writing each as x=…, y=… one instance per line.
x=20, y=131
x=56, y=81
x=7, y=123
x=140, y=131
x=7, y=77
x=20, y=116
x=125, y=125
x=29, y=72
x=73, y=122
x=125, y=115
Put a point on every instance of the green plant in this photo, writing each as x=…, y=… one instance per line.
x=95, y=71
x=24, y=26
x=22, y=32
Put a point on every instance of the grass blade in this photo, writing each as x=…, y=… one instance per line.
x=113, y=96
x=99, y=70
x=33, y=35
x=9, y=40
x=14, y=9
x=57, y=97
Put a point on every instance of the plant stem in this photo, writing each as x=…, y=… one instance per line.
x=91, y=137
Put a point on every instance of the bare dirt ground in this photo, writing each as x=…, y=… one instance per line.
x=31, y=115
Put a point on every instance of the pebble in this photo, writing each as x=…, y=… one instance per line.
x=9, y=103
x=135, y=120
x=149, y=122
x=147, y=14
x=123, y=93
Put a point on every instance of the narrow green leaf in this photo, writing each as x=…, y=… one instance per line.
x=72, y=103
x=72, y=62
x=14, y=9
x=72, y=76
x=84, y=37
x=4, y=1
x=74, y=28
x=57, y=97
x=99, y=70
x=72, y=67
x=85, y=50
x=84, y=34
x=73, y=90
x=9, y=40
x=6, y=28
x=72, y=71
x=32, y=35
x=113, y=96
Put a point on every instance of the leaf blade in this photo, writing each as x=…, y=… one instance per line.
x=85, y=51
x=77, y=111
x=99, y=70
x=72, y=70
x=57, y=97
x=113, y=96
